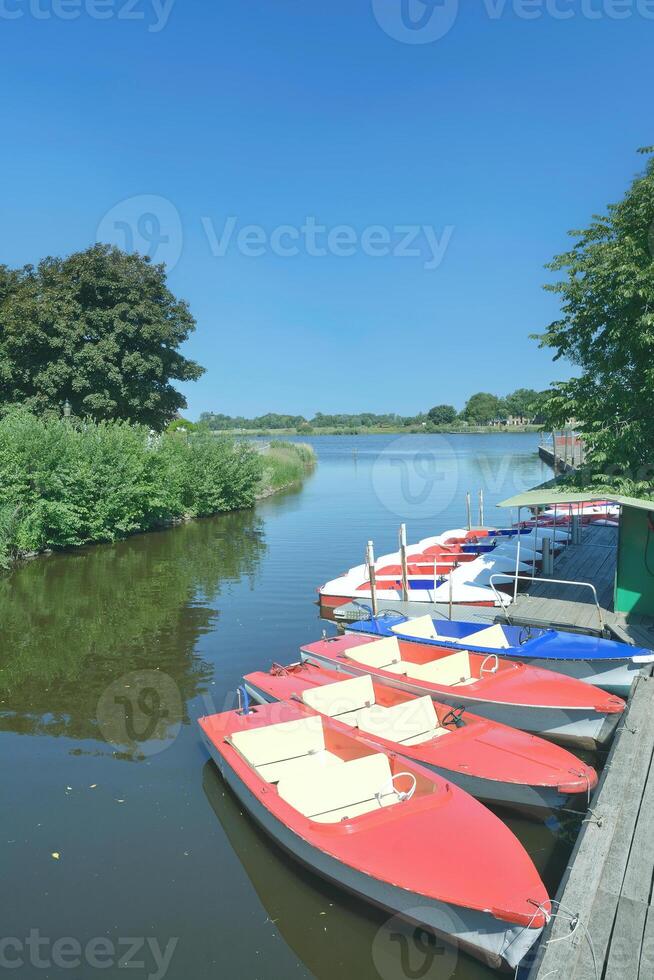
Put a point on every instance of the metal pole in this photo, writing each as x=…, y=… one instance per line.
x=481, y=507
x=468, y=509
x=405, y=570
x=370, y=560
x=517, y=570
x=554, y=451
x=533, y=564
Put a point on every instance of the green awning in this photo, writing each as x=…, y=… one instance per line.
x=549, y=497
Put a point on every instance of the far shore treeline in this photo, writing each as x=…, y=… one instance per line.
x=520, y=408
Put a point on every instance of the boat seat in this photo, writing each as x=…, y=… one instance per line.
x=401, y=667
x=301, y=766
x=422, y=628
x=452, y=671
x=342, y=699
x=492, y=637
x=379, y=654
x=341, y=792
x=410, y=723
x=278, y=743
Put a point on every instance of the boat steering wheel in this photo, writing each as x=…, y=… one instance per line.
x=454, y=717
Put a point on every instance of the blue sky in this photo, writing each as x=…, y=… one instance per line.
x=168, y=122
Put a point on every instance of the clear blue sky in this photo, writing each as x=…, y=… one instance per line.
x=502, y=134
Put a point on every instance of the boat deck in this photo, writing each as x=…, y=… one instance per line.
x=604, y=926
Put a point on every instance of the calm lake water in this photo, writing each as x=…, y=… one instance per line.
x=110, y=654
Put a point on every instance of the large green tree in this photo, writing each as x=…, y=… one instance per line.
x=442, y=414
x=606, y=328
x=100, y=329
x=482, y=408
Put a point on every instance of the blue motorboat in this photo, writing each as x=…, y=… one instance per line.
x=608, y=664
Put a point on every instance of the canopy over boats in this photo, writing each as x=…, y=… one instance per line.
x=389, y=831
x=495, y=763
x=540, y=701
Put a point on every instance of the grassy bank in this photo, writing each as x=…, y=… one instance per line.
x=64, y=484
x=285, y=464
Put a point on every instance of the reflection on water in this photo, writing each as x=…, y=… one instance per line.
x=72, y=624
x=109, y=654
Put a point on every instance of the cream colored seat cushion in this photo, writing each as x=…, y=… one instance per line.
x=409, y=723
x=452, y=671
x=341, y=792
x=274, y=743
x=377, y=654
x=492, y=637
x=342, y=699
x=304, y=765
x=422, y=628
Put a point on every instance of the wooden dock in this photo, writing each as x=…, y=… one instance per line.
x=603, y=927
x=573, y=607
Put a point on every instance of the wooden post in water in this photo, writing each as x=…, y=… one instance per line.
x=468, y=512
x=481, y=507
x=372, y=576
x=405, y=571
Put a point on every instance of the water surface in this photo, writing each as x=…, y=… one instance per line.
x=107, y=657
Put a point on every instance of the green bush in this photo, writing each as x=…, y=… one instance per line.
x=65, y=483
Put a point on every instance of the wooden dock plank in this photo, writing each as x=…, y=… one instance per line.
x=592, y=884
x=623, y=961
x=647, y=952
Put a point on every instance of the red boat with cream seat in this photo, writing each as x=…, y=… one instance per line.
x=540, y=701
x=494, y=763
x=387, y=830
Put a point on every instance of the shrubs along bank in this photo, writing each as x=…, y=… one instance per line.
x=66, y=483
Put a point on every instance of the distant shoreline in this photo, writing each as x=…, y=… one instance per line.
x=379, y=431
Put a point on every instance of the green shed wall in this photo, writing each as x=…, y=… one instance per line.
x=634, y=580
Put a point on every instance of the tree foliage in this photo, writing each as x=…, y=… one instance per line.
x=482, y=408
x=606, y=328
x=100, y=329
x=66, y=484
x=442, y=414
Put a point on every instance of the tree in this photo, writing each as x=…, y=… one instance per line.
x=606, y=328
x=482, y=408
x=100, y=329
x=442, y=414
x=523, y=402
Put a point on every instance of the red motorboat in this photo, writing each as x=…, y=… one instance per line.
x=494, y=763
x=385, y=829
x=535, y=700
